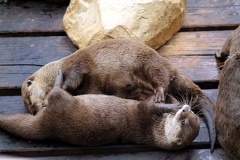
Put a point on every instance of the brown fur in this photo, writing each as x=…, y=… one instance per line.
x=124, y=68
x=228, y=107
x=91, y=120
x=231, y=45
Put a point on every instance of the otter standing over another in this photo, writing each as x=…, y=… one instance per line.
x=228, y=107
x=91, y=120
x=121, y=67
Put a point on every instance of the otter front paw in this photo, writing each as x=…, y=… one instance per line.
x=158, y=96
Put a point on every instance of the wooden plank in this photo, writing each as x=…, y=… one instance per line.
x=193, y=55
x=195, y=43
x=22, y=56
x=196, y=154
x=35, y=51
x=25, y=16
x=212, y=13
x=12, y=77
x=10, y=143
x=41, y=50
x=211, y=94
x=198, y=69
x=31, y=16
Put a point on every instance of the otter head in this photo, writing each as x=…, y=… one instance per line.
x=36, y=87
x=180, y=129
x=34, y=95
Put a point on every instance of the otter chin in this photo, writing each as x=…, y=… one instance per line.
x=120, y=67
x=95, y=119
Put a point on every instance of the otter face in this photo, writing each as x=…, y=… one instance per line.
x=181, y=129
x=34, y=97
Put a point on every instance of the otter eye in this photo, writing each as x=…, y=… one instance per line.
x=29, y=83
x=221, y=67
x=183, y=122
x=30, y=103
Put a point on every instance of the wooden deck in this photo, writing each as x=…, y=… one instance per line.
x=31, y=35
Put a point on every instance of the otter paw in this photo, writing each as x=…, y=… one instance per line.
x=59, y=79
x=158, y=96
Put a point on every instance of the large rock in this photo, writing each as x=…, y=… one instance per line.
x=151, y=21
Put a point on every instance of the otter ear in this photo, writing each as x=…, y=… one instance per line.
x=29, y=83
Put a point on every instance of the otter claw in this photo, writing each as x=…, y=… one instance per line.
x=158, y=96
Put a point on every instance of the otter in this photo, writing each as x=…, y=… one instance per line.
x=231, y=45
x=121, y=67
x=95, y=119
x=228, y=107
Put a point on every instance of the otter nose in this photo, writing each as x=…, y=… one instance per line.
x=186, y=108
x=33, y=110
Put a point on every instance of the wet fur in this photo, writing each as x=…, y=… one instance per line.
x=124, y=68
x=92, y=120
x=228, y=107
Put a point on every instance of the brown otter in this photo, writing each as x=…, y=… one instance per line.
x=231, y=45
x=121, y=67
x=228, y=107
x=101, y=119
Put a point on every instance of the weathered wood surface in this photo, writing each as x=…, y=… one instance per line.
x=31, y=35
x=191, y=52
x=212, y=14
x=190, y=154
x=202, y=43
x=22, y=16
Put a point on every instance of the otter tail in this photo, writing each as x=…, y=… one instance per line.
x=206, y=107
x=182, y=88
x=25, y=126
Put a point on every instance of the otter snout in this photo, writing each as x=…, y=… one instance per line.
x=183, y=112
x=186, y=108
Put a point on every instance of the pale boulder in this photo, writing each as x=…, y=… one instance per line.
x=151, y=21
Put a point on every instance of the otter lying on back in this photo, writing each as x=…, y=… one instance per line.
x=124, y=68
x=91, y=120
